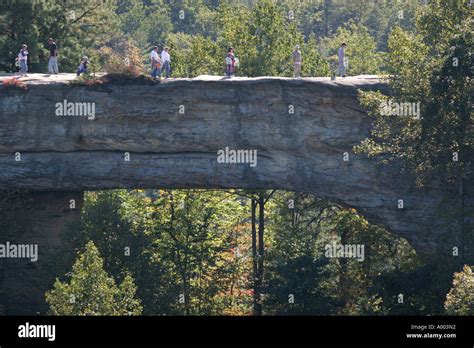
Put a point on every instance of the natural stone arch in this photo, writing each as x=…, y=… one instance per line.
x=301, y=129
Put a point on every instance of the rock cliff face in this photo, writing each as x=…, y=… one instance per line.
x=172, y=132
x=37, y=220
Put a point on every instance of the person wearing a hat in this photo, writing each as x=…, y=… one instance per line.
x=297, y=62
x=82, y=68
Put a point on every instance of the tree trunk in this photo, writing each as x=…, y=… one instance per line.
x=254, y=256
x=464, y=240
x=261, y=250
x=182, y=270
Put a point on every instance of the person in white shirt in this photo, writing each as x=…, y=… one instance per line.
x=23, y=60
x=155, y=62
x=341, y=70
x=166, y=60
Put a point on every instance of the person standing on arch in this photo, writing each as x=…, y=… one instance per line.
x=155, y=62
x=341, y=70
x=297, y=62
x=53, y=57
x=166, y=61
x=23, y=60
x=230, y=62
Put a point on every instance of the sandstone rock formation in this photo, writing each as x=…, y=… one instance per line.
x=301, y=129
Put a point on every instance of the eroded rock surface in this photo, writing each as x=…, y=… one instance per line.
x=301, y=129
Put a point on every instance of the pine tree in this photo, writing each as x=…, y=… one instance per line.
x=91, y=291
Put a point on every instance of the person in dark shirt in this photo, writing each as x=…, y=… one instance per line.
x=53, y=57
x=296, y=55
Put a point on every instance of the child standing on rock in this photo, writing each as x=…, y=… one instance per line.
x=23, y=60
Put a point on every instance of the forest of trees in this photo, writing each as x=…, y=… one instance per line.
x=263, y=33
x=242, y=252
x=198, y=252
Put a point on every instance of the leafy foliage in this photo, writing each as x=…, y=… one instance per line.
x=460, y=299
x=123, y=58
x=91, y=291
x=179, y=243
x=441, y=143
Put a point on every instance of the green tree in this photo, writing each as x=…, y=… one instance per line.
x=440, y=81
x=408, y=64
x=442, y=20
x=460, y=299
x=357, y=284
x=146, y=22
x=322, y=18
x=121, y=226
x=296, y=274
x=77, y=27
x=91, y=291
x=431, y=66
x=423, y=285
x=274, y=37
x=301, y=229
x=313, y=63
x=231, y=24
x=173, y=243
x=195, y=55
x=186, y=15
x=195, y=232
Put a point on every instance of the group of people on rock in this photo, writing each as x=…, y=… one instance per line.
x=341, y=59
x=161, y=63
x=232, y=62
x=22, y=59
x=164, y=62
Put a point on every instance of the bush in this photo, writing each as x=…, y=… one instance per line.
x=460, y=299
x=87, y=80
x=91, y=291
x=122, y=58
x=14, y=82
